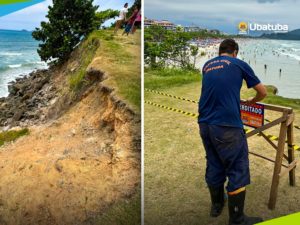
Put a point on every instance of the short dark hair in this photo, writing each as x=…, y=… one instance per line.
x=126, y=4
x=228, y=46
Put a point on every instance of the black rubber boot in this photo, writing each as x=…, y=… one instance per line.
x=217, y=200
x=236, y=211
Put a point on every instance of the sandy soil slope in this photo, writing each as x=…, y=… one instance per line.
x=76, y=165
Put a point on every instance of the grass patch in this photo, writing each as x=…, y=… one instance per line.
x=121, y=60
x=175, y=187
x=278, y=100
x=172, y=77
x=169, y=77
x=126, y=212
x=86, y=53
x=272, y=98
x=8, y=136
x=76, y=81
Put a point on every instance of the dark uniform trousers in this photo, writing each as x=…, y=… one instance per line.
x=227, y=156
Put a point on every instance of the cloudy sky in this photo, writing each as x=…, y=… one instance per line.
x=225, y=15
x=31, y=17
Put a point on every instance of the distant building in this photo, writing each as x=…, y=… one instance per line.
x=149, y=22
x=163, y=23
x=171, y=26
x=192, y=28
x=215, y=32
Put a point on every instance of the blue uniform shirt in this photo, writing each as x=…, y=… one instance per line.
x=220, y=96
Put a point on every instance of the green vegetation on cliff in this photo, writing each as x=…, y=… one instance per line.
x=8, y=136
x=120, y=58
x=117, y=56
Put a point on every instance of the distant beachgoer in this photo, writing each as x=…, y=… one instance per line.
x=122, y=17
x=131, y=20
x=280, y=73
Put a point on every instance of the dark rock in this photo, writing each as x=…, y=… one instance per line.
x=17, y=116
x=27, y=96
x=93, y=74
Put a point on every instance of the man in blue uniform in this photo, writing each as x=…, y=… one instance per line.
x=222, y=133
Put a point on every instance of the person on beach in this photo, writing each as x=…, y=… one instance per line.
x=221, y=130
x=131, y=20
x=122, y=18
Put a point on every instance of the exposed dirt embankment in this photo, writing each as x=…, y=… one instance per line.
x=82, y=156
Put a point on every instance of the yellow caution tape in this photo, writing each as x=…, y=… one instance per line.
x=193, y=101
x=172, y=109
x=271, y=137
x=171, y=96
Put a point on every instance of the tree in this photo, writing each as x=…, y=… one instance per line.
x=154, y=48
x=167, y=48
x=137, y=3
x=177, y=47
x=194, y=53
x=69, y=21
x=105, y=15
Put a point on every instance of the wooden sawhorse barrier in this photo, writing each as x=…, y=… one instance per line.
x=286, y=131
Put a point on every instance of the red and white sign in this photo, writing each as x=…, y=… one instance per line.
x=252, y=115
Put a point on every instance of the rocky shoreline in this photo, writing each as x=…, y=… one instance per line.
x=28, y=99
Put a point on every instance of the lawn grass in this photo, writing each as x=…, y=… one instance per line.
x=125, y=212
x=8, y=136
x=121, y=59
x=173, y=77
x=175, y=188
x=169, y=77
x=86, y=53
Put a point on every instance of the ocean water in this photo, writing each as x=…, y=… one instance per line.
x=275, y=62
x=18, y=57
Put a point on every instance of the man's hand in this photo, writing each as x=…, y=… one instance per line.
x=261, y=93
x=250, y=101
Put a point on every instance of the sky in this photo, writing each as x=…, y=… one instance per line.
x=225, y=15
x=30, y=17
